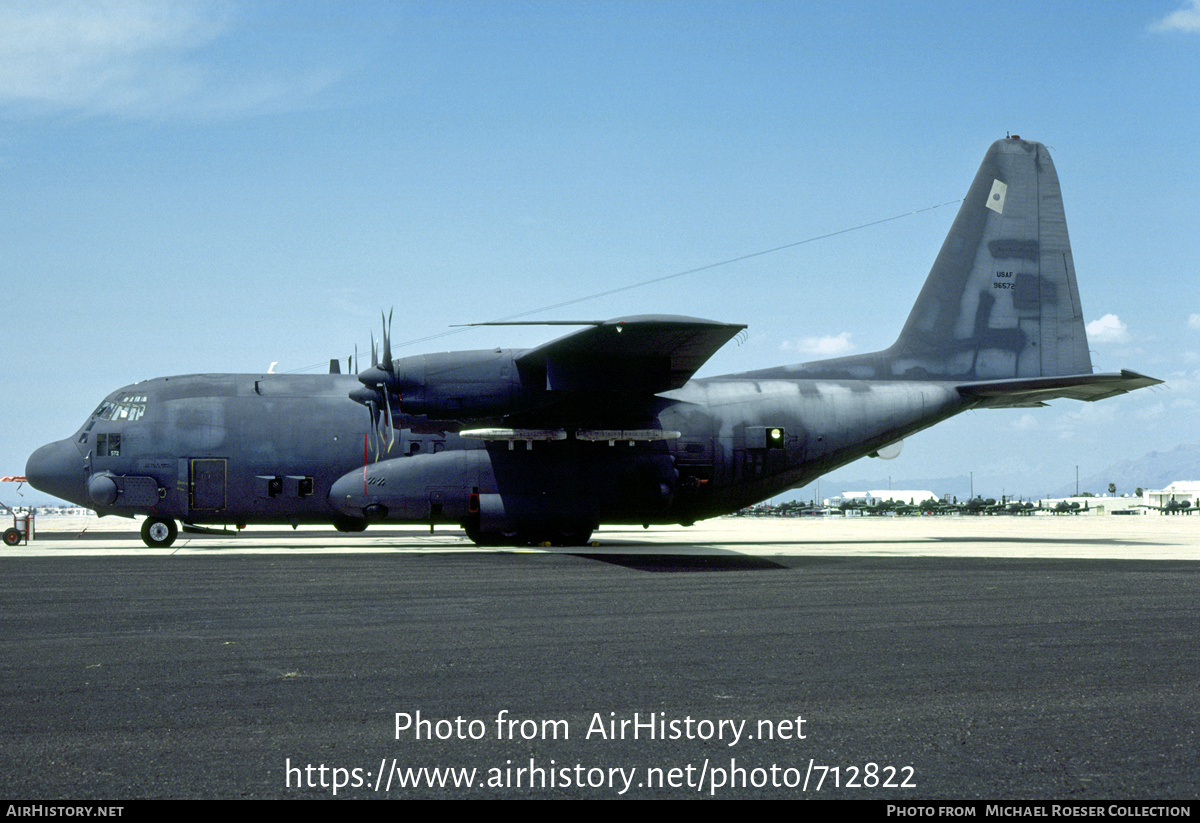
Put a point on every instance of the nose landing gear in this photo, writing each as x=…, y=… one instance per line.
x=159, y=532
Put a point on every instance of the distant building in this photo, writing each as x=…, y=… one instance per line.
x=1093, y=505
x=874, y=497
x=1180, y=497
x=1179, y=492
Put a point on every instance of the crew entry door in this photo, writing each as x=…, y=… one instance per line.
x=206, y=483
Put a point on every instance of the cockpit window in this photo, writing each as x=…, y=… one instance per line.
x=127, y=407
x=108, y=445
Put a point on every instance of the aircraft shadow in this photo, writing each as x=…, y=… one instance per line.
x=686, y=563
x=888, y=541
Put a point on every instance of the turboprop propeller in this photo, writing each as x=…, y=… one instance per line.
x=377, y=388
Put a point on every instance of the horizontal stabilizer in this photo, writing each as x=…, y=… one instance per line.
x=1007, y=394
x=644, y=354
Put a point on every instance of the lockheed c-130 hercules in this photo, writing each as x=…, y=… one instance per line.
x=605, y=425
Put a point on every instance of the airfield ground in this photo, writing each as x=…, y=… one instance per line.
x=929, y=658
x=1148, y=537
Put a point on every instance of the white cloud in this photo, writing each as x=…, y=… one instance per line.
x=1026, y=422
x=129, y=57
x=1085, y=422
x=827, y=346
x=1155, y=412
x=1108, y=329
x=1194, y=321
x=1184, y=19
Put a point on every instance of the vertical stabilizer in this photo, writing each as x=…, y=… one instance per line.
x=1001, y=300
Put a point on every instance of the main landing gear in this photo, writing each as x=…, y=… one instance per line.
x=577, y=536
x=159, y=532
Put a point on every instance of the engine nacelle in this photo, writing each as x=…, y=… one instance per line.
x=458, y=385
x=451, y=386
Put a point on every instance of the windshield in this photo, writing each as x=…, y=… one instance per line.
x=125, y=407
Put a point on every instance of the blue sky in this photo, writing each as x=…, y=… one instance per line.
x=211, y=187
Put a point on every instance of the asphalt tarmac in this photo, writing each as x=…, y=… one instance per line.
x=908, y=659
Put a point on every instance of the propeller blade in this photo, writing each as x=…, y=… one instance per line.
x=378, y=383
x=373, y=411
x=387, y=340
x=387, y=397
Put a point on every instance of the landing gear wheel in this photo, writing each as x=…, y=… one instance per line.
x=158, y=532
x=482, y=538
x=12, y=537
x=489, y=539
x=574, y=537
x=350, y=524
x=564, y=536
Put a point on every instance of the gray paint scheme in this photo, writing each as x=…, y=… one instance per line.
x=606, y=424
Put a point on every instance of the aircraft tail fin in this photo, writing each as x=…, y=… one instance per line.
x=1001, y=300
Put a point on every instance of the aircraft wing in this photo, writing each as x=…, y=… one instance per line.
x=1034, y=391
x=646, y=354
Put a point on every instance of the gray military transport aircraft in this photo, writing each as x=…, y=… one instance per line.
x=606, y=424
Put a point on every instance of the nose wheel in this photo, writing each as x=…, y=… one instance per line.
x=159, y=532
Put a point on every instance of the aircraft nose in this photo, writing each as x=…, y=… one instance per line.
x=57, y=469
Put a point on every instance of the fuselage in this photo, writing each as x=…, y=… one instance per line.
x=229, y=448
x=241, y=449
